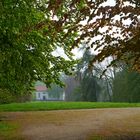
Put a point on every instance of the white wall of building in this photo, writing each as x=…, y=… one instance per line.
x=41, y=95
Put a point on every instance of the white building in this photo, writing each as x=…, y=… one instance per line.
x=41, y=93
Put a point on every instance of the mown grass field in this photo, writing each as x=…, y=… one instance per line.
x=8, y=130
x=10, y=127
x=40, y=106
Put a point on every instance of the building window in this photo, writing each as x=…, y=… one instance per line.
x=38, y=95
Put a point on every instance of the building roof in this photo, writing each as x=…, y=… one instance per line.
x=41, y=88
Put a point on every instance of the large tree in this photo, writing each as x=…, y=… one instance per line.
x=126, y=87
x=29, y=33
x=89, y=87
x=30, y=30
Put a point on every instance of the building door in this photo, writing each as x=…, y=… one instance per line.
x=44, y=97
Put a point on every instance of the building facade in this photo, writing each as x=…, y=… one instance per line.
x=41, y=93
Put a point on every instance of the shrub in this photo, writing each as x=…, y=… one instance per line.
x=6, y=96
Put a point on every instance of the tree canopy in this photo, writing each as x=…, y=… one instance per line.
x=126, y=86
x=89, y=87
x=28, y=36
x=30, y=30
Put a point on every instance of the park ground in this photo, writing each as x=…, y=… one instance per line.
x=83, y=124
x=47, y=121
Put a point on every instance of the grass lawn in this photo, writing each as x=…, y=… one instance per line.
x=40, y=106
x=10, y=127
x=8, y=130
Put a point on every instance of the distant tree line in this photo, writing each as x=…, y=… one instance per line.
x=118, y=84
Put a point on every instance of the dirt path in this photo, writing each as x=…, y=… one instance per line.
x=78, y=124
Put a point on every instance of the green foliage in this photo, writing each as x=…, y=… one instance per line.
x=55, y=91
x=77, y=94
x=89, y=87
x=126, y=87
x=35, y=106
x=28, y=36
x=30, y=31
x=6, y=97
x=71, y=85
